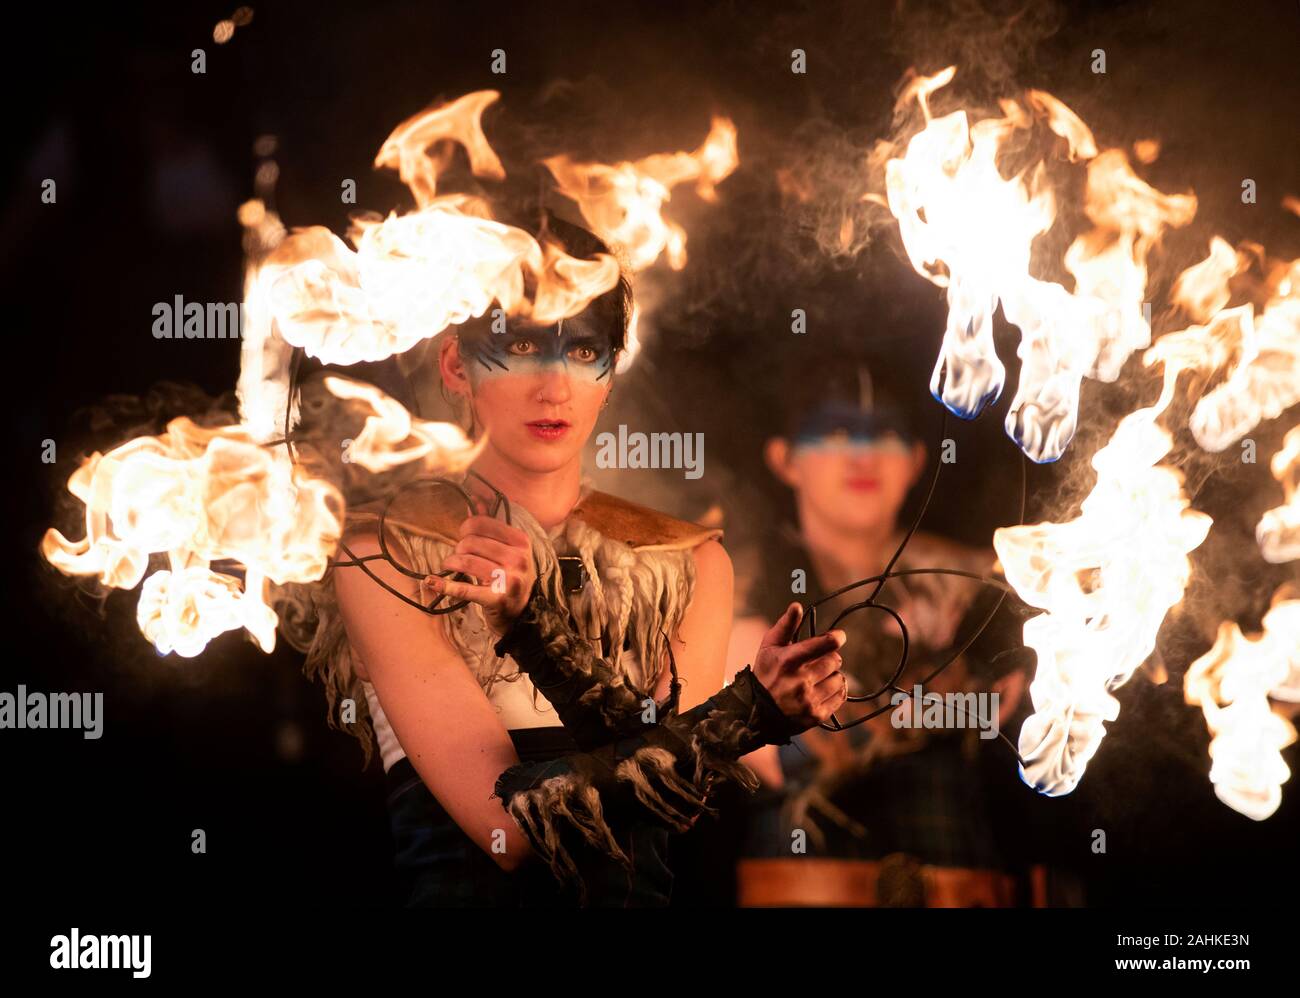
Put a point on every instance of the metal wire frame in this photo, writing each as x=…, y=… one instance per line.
x=499, y=502
x=870, y=603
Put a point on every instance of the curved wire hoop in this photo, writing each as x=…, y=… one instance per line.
x=870, y=603
x=499, y=503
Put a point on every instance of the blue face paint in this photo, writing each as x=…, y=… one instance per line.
x=571, y=347
x=840, y=426
x=844, y=442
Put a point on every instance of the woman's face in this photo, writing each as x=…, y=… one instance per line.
x=536, y=391
x=852, y=483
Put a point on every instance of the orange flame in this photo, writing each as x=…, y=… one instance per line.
x=1260, y=351
x=1106, y=579
x=199, y=496
x=391, y=436
x=203, y=495
x=413, y=275
x=623, y=202
x=970, y=230
x=1202, y=289
x=406, y=150
x=1232, y=683
x=1278, y=531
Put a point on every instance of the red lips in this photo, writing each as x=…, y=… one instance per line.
x=548, y=429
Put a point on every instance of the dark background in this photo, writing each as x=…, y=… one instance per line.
x=152, y=160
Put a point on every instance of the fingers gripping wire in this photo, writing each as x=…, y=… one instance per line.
x=499, y=503
x=872, y=603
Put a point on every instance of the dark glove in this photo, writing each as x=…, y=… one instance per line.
x=593, y=701
x=665, y=772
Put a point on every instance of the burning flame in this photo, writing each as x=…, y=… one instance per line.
x=1108, y=578
x=623, y=202
x=413, y=275
x=1232, y=683
x=199, y=496
x=391, y=436
x=1278, y=531
x=406, y=150
x=207, y=495
x=970, y=230
x=1264, y=381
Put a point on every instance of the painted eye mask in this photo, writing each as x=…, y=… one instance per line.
x=570, y=346
x=836, y=426
x=841, y=441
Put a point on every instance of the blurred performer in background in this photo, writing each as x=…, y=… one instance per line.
x=881, y=813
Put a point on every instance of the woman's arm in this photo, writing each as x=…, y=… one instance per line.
x=592, y=698
x=746, y=635
x=440, y=714
x=711, y=651
x=668, y=770
x=700, y=645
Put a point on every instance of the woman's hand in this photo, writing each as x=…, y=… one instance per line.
x=804, y=678
x=500, y=557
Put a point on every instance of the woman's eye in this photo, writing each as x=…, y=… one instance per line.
x=586, y=355
x=522, y=347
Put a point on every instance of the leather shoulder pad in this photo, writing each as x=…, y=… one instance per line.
x=640, y=526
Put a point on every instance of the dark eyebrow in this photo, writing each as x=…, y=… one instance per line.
x=586, y=340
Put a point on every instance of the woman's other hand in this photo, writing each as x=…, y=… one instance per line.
x=804, y=678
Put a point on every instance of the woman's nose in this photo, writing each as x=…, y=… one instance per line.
x=555, y=385
x=863, y=458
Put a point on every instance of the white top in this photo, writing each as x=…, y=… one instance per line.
x=513, y=702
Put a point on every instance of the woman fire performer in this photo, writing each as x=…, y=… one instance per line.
x=542, y=741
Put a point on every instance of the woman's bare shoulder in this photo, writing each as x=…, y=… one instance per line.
x=711, y=556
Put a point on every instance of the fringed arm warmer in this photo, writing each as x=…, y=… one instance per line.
x=663, y=773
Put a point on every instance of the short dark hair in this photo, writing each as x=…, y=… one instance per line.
x=839, y=382
x=613, y=308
